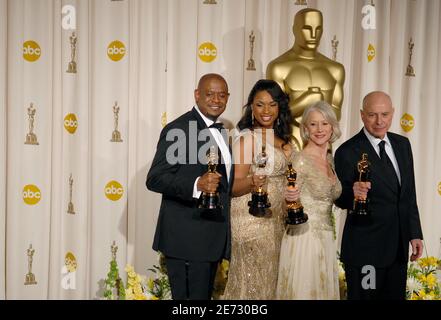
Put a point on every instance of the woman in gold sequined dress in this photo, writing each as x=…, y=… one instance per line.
x=255, y=240
x=308, y=257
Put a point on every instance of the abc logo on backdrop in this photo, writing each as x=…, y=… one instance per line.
x=114, y=190
x=31, y=194
x=371, y=53
x=71, y=123
x=207, y=52
x=116, y=50
x=407, y=122
x=31, y=51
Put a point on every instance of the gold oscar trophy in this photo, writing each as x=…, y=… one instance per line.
x=334, y=42
x=72, y=66
x=259, y=204
x=116, y=135
x=30, y=277
x=295, y=214
x=70, y=206
x=360, y=207
x=251, y=63
x=303, y=67
x=31, y=137
x=410, y=72
x=118, y=284
x=210, y=200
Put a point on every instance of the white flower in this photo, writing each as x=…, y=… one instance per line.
x=413, y=284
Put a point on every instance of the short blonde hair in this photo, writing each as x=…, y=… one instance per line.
x=326, y=110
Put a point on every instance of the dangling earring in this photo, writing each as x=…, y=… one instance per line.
x=278, y=122
x=252, y=117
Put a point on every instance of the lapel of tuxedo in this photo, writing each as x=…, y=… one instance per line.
x=376, y=166
x=399, y=155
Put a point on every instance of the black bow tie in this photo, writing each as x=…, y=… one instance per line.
x=217, y=125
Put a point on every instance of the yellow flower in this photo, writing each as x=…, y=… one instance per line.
x=428, y=262
x=414, y=297
x=431, y=281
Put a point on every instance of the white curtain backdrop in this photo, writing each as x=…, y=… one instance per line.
x=152, y=77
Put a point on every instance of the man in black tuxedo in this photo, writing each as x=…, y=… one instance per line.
x=193, y=240
x=375, y=248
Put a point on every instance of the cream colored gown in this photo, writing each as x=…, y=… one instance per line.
x=256, y=241
x=308, y=257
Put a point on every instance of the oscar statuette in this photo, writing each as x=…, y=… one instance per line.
x=360, y=207
x=259, y=205
x=210, y=200
x=295, y=214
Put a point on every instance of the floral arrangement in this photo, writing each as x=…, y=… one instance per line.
x=422, y=281
x=138, y=287
x=158, y=287
x=220, y=281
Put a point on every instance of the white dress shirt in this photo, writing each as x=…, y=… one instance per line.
x=225, y=151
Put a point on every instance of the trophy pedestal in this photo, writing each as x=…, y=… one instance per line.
x=116, y=136
x=251, y=65
x=296, y=216
x=259, y=205
x=72, y=67
x=410, y=72
x=360, y=208
x=30, y=279
x=209, y=201
x=70, y=208
x=31, y=138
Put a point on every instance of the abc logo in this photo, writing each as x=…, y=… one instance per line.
x=371, y=53
x=114, y=191
x=407, y=122
x=116, y=50
x=439, y=188
x=31, y=194
x=31, y=51
x=70, y=123
x=70, y=262
x=207, y=52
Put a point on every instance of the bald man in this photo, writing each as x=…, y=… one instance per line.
x=375, y=248
x=193, y=240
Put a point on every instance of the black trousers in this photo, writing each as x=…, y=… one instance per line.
x=191, y=280
x=389, y=282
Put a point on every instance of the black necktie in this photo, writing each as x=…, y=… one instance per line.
x=386, y=160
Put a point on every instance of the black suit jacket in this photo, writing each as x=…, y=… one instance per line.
x=183, y=231
x=394, y=211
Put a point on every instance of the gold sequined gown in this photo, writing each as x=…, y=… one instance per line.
x=308, y=257
x=256, y=241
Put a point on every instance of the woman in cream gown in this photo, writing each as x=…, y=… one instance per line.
x=255, y=242
x=308, y=258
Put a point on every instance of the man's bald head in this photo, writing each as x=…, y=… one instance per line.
x=375, y=97
x=208, y=77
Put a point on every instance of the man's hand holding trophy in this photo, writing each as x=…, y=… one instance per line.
x=361, y=187
x=209, y=183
